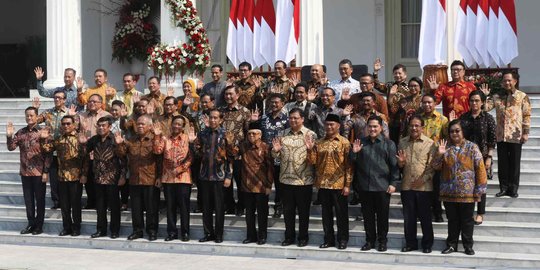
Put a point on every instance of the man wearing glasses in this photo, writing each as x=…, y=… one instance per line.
x=454, y=94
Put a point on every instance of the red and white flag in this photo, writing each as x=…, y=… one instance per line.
x=248, y=31
x=461, y=33
x=470, y=37
x=482, y=30
x=287, y=29
x=433, y=38
x=268, y=38
x=493, y=27
x=240, y=32
x=231, y=34
x=507, y=45
x=258, y=58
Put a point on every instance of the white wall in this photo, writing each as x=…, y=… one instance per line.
x=352, y=29
x=528, y=24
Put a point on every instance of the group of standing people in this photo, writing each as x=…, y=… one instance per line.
x=344, y=138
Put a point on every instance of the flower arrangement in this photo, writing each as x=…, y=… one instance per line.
x=493, y=80
x=191, y=57
x=134, y=33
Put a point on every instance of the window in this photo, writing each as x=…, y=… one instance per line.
x=411, y=14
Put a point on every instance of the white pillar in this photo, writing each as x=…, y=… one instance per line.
x=63, y=40
x=451, y=19
x=311, y=43
x=171, y=34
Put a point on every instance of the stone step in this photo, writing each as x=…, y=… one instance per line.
x=485, y=259
x=236, y=233
x=526, y=163
x=23, y=103
x=488, y=228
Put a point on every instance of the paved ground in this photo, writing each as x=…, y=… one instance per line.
x=31, y=257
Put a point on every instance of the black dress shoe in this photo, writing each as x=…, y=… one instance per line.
x=449, y=250
x=218, y=240
x=287, y=242
x=55, y=206
x=438, y=219
x=248, y=240
x=64, y=232
x=261, y=241
x=277, y=213
x=513, y=195
x=98, y=234
x=207, y=238
x=152, y=237
x=135, y=235
x=27, y=230
x=114, y=235
x=184, y=238
x=502, y=193
x=171, y=237
x=469, y=251
x=75, y=233
x=327, y=245
x=239, y=212
x=426, y=250
x=382, y=247
x=342, y=245
x=37, y=231
x=407, y=249
x=367, y=246
x=231, y=211
x=302, y=243
x=359, y=218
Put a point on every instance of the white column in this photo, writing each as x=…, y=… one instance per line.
x=63, y=40
x=170, y=34
x=451, y=18
x=311, y=43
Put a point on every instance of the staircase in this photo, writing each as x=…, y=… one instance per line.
x=509, y=236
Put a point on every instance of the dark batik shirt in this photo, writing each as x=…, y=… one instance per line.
x=106, y=165
x=215, y=166
x=257, y=169
x=33, y=161
x=480, y=130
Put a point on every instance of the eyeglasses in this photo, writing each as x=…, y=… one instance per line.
x=457, y=69
x=452, y=131
x=66, y=124
x=58, y=98
x=94, y=101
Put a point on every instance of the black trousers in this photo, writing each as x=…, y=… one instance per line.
x=69, y=193
x=53, y=180
x=34, y=200
x=177, y=196
x=195, y=170
x=416, y=206
x=90, y=189
x=436, y=206
x=331, y=199
x=107, y=197
x=144, y=198
x=256, y=202
x=213, y=192
x=460, y=220
x=237, y=175
x=509, y=170
x=124, y=192
x=296, y=199
x=375, y=209
x=277, y=185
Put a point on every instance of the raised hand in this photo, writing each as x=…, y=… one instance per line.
x=36, y=103
x=394, y=89
x=157, y=129
x=308, y=139
x=136, y=97
x=452, y=115
x=348, y=110
x=377, y=65
x=150, y=108
x=294, y=80
x=123, y=111
x=312, y=94
x=200, y=83
x=80, y=84
x=276, y=144
x=346, y=94
x=401, y=156
x=485, y=88
x=192, y=136
x=230, y=81
x=44, y=133
x=39, y=73
x=188, y=100
x=229, y=137
x=81, y=137
x=442, y=147
x=254, y=114
x=72, y=110
x=170, y=92
x=118, y=138
x=432, y=82
x=257, y=81
x=10, y=130
x=109, y=91
x=357, y=146
x=324, y=80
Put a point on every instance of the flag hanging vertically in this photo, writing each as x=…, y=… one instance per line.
x=507, y=45
x=248, y=31
x=493, y=27
x=231, y=34
x=240, y=32
x=482, y=31
x=433, y=38
x=268, y=25
x=470, y=37
x=258, y=58
x=461, y=33
x=287, y=29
